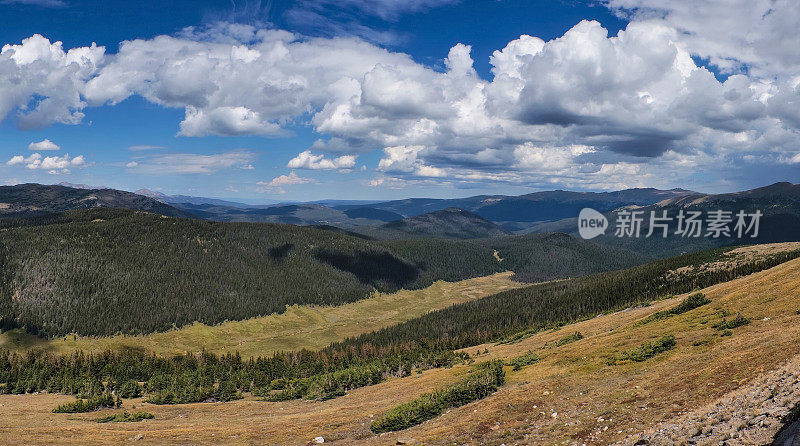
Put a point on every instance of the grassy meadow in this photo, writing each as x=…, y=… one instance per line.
x=300, y=326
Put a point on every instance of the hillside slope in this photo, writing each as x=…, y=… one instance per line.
x=516, y=313
x=573, y=394
x=749, y=415
x=597, y=403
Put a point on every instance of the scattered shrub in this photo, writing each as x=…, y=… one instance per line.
x=645, y=351
x=526, y=359
x=736, y=322
x=126, y=417
x=483, y=381
x=569, y=339
x=87, y=405
x=701, y=342
x=690, y=303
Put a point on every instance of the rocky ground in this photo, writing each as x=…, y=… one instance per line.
x=760, y=413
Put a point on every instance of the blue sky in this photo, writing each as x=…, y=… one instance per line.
x=306, y=100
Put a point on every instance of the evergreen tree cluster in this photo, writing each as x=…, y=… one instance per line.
x=126, y=417
x=205, y=376
x=92, y=403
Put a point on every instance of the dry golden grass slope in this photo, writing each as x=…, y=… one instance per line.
x=572, y=396
x=299, y=327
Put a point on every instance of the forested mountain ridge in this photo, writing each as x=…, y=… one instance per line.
x=549, y=256
x=143, y=272
x=304, y=214
x=446, y=223
x=779, y=205
x=34, y=199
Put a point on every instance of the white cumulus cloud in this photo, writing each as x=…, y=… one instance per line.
x=43, y=145
x=759, y=35
x=52, y=164
x=307, y=160
x=44, y=83
x=276, y=185
x=286, y=180
x=144, y=147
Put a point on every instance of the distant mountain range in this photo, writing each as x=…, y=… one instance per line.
x=513, y=213
x=187, y=199
x=473, y=217
x=519, y=212
x=27, y=200
x=779, y=203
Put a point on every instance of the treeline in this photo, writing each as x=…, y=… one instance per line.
x=205, y=376
x=552, y=304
